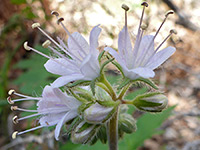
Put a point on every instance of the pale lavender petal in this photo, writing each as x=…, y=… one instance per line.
x=94, y=35
x=59, y=66
x=145, y=51
x=90, y=68
x=125, y=47
x=69, y=101
x=160, y=57
x=80, y=47
x=67, y=117
x=61, y=81
x=143, y=72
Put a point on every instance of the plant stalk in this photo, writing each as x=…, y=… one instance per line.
x=112, y=132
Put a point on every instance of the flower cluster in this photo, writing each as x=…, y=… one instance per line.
x=87, y=102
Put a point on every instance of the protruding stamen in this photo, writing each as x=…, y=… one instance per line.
x=169, y=13
x=14, y=135
x=55, y=13
x=171, y=32
x=29, y=130
x=59, y=20
x=26, y=46
x=46, y=44
x=10, y=100
x=35, y=25
x=144, y=27
x=145, y=4
x=15, y=120
x=125, y=7
x=10, y=92
x=13, y=108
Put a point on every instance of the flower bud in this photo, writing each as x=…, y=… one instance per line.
x=127, y=123
x=102, y=135
x=84, y=133
x=151, y=102
x=99, y=113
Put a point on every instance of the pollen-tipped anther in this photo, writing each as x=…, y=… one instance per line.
x=125, y=7
x=35, y=25
x=60, y=20
x=26, y=46
x=14, y=135
x=169, y=13
x=173, y=31
x=46, y=44
x=145, y=4
x=10, y=92
x=9, y=100
x=144, y=27
x=15, y=120
x=55, y=13
x=13, y=108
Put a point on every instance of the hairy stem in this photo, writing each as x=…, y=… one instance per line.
x=112, y=132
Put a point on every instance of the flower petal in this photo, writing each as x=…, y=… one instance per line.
x=79, y=47
x=94, y=35
x=145, y=51
x=67, y=117
x=61, y=81
x=59, y=66
x=160, y=57
x=125, y=47
x=90, y=67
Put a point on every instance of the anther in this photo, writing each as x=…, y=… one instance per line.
x=145, y=4
x=9, y=100
x=10, y=92
x=15, y=120
x=35, y=25
x=26, y=46
x=144, y=27
x=55, y=13
x=125, y=7
x=173, y=31
x=60, y=20
x=46, y=44
x=169, y=13
x=13, y=108
x=14, y=135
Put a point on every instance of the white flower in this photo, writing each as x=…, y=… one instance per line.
x=77, y=60
x=141, y=60
x=54, y=108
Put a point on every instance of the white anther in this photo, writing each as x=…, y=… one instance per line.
x=13, y=108
x=14, y=135
x=173, y=31
x=125, y=7
x=46, y=44
x=55, y=13
x=35, y=25
x=15, y=120
x=60, y=20
x=9, y=100
x=169, y=13
x=26, y=46
x=10, y=92
x=144, y=26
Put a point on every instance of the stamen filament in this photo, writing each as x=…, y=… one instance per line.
x=32, y=129
x=25, y=99
x=25, y=96
x=21, y=109
x=29, y=116
x=163, y=42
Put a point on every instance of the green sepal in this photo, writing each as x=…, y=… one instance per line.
x=146, y=81
x=108, y=103
x=78, y=83
x=85, y=126
x=92, y=86
x=84, y=106
x=118, y=67
x=102, y=135
x=124, y=82
x=105, y=63
x=75, y=121
x=101, y=55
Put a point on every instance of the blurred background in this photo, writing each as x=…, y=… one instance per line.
x=177, y=128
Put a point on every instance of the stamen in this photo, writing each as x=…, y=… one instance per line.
x=32, y=129
x=171, y=32
x=14, y=135
x=29, y=116
x=10, y=92
x=125, y=7
x=145, y=4
x=46, y=44
x=35, y=25
x=169, y=12
x=55, y=13
x=15, y=120
x=10, y=100
x=26, y=99
x=13, y=108
x=144, y=27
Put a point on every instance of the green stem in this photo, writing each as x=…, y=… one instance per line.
x=112, y=132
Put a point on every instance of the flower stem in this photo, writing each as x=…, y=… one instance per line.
x=112, y=132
